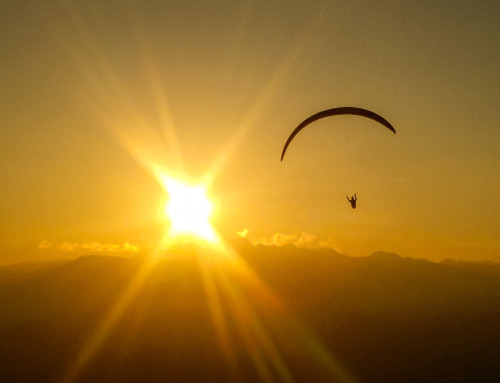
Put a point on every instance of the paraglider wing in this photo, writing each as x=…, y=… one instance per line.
x=334, y=112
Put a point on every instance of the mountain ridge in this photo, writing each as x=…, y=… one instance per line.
x=386, y=317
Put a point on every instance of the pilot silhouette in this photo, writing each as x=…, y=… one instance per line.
x=352, y=200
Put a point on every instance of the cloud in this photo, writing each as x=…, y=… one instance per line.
x=108, y=247
x=243, y=233
x=330, y=244
x=277, y=239
x=93, y=246
x=129, y=247
x=66, y=246
x=99, y=247
x=305, y=240
x=45, y=244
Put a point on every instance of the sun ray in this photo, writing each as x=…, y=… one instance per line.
x=111, y=318
x=262, y=101
x=234, y=292
x=266, y=326
x=214, y=301
x=266, y=356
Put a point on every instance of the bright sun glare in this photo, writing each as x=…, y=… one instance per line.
x=188, y=209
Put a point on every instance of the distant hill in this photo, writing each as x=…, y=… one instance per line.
x=382, y=318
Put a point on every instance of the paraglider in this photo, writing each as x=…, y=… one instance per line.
x=352, y=200
x=334, y=112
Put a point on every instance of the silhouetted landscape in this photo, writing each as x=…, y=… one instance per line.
x=136, y=134
x=385, y=318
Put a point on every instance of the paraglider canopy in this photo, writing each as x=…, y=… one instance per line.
x=334, y=112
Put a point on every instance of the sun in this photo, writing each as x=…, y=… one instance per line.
x=188, y=209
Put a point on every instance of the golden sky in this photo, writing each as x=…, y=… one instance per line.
x=98, y=95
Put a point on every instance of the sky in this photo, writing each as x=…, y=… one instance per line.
x=97, y=97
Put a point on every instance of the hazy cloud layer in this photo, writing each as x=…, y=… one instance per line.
x=306, y=240
x=92, y=246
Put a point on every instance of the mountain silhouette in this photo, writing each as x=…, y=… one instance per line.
x=385, y=318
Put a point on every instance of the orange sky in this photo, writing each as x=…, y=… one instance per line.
x=97, y=95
